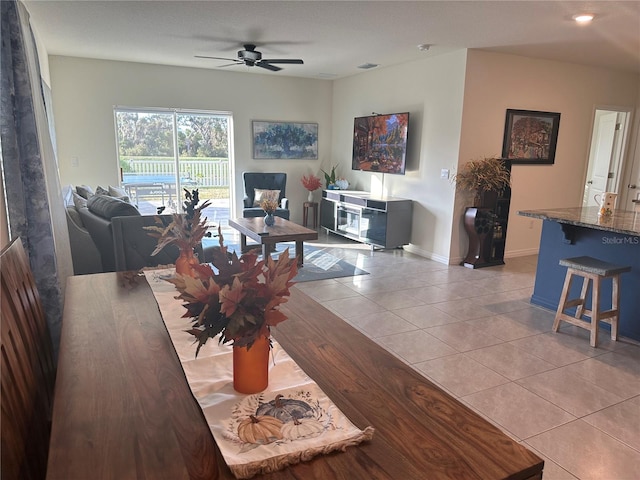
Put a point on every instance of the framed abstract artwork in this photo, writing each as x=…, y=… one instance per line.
x=285, y=140
x=530, y=137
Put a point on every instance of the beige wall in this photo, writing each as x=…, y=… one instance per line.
x=496, y=82
x=431, y=90
x=457, y=103
x=85, y=92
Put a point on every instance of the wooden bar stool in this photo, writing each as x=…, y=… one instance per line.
x=591, y=270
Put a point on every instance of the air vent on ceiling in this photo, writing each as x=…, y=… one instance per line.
x=367, y=66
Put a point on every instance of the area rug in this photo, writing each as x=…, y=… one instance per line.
x=319, y=264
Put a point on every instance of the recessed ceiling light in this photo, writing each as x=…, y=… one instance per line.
x=423, y=47
x=583, y=17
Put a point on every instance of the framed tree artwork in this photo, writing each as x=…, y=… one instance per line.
x=530, y=137
x=285, y=140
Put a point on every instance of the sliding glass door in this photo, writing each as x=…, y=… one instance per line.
x=162, y=152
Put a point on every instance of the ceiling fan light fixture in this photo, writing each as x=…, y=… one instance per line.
x=253, y=58
x=583, y=18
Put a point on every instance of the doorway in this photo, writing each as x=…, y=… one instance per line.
x=161, y=152
x=606, y=155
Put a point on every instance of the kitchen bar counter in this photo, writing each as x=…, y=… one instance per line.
x=573, y=232
x=622, y=221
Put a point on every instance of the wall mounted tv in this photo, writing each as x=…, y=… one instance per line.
x=380, y=143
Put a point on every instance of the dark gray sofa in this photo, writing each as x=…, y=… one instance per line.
x=133, y=245
x=84, y=253
x=107, y=235
x=96, y=217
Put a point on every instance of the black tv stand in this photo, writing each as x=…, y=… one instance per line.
x=383, y=222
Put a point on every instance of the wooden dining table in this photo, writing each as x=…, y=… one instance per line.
x=123, y=408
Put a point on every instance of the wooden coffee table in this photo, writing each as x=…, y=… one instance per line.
x=281, y=231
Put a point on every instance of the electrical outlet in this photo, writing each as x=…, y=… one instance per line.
x=75, y=162
x=444, y=173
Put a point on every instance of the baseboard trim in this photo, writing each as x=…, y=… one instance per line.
x=521, y=253
x=411, y=248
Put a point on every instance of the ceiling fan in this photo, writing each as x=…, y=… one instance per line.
x=251, y=57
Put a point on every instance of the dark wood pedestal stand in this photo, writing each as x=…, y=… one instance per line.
x=479, y=225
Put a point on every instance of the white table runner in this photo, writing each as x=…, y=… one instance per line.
x=319, y=426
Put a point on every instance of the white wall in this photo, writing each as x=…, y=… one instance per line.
x=496, y=82
x=431, y=90
x=85, y=92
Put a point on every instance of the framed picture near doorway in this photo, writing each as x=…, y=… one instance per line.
x=530, y=137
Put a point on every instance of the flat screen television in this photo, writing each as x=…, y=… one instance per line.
x=380, y=143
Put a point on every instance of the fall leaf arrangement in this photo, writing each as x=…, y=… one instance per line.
x=269, y=205
x=236, y=298
x=311, y=182
x=185, y=231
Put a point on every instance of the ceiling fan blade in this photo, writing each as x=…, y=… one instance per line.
x=234, y=64
x=296, y=61
x=273, y=68
x=219, y=58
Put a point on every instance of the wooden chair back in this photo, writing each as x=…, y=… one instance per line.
x=27, y=371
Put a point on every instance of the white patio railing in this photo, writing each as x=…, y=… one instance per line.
x=206, y=173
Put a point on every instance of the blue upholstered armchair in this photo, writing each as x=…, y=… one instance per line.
x=255, y=184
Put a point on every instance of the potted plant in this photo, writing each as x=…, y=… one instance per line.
x=330, y=178
x=484, y=178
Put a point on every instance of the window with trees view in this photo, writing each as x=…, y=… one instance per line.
x=160, y=152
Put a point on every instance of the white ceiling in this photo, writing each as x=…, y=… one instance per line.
x=334, y=37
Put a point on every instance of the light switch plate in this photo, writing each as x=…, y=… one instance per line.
x=444, y=173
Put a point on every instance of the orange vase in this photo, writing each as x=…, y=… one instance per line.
x=251, y=367
x=185, y=262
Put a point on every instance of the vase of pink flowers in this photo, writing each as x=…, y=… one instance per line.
x=311, y=183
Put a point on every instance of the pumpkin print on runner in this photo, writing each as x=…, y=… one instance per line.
x=257, y=421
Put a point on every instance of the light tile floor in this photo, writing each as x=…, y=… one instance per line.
x=475, y=334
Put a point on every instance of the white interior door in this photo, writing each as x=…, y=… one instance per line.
x=631, y=194
x=601, y=153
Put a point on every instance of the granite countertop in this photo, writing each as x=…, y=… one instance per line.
x=621, y=221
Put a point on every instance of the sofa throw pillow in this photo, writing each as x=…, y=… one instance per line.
x=85, y=191
x=261, y=195
x=120, y=193
x=108, y=207
x=101, y=190
x=117, y=192
x=78, y=201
